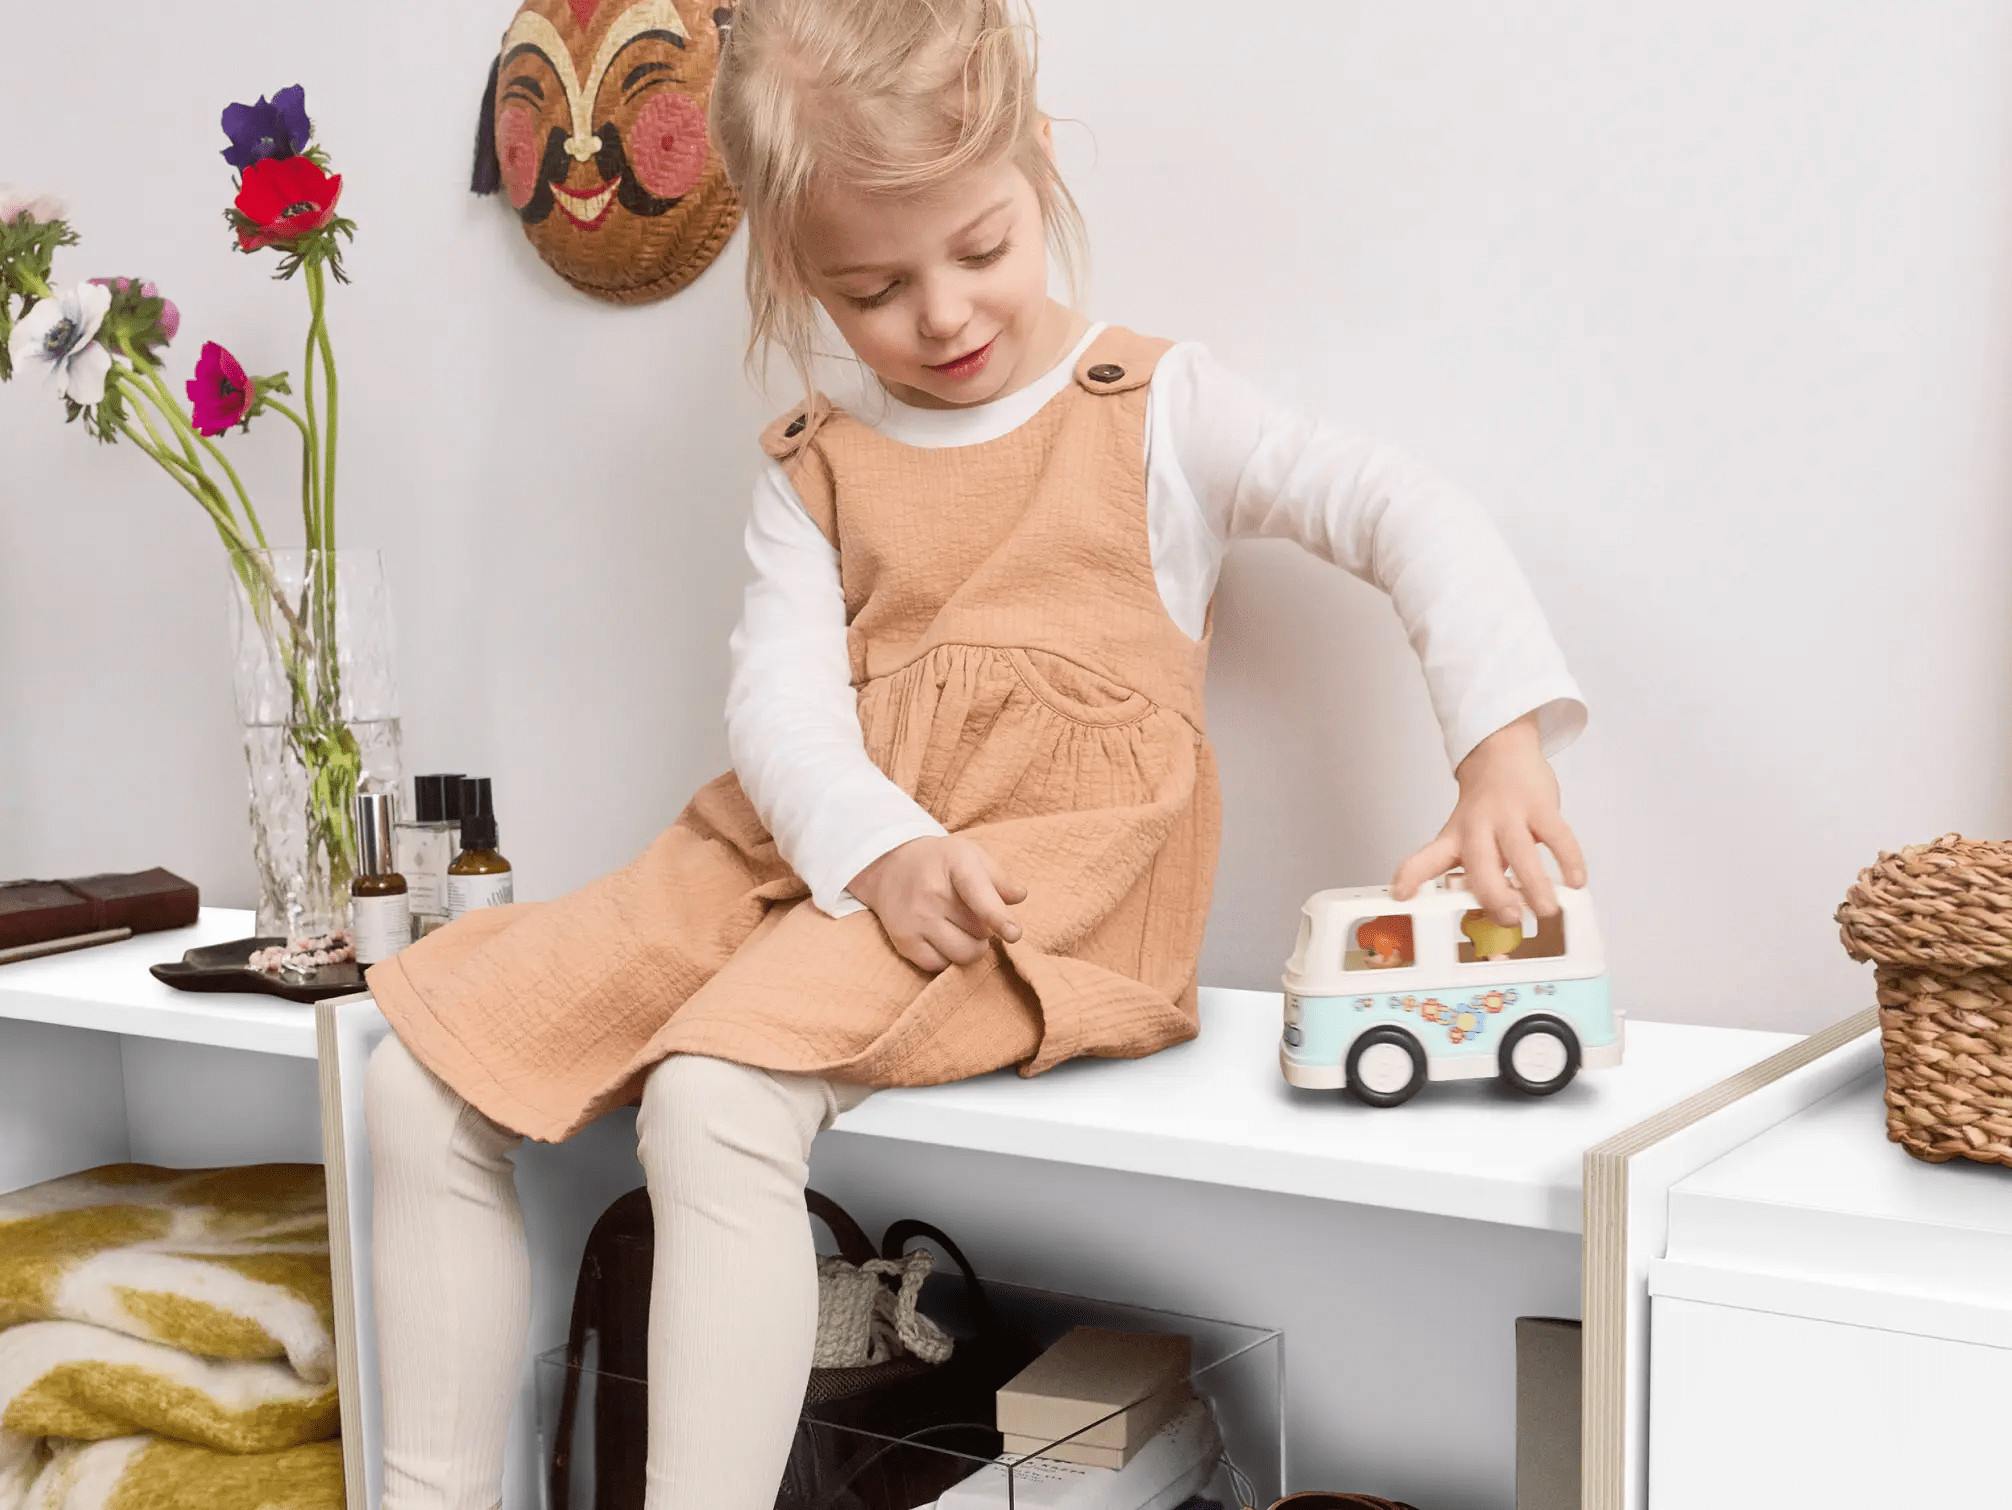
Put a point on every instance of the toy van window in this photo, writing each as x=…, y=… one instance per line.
x=1380, y=943
x=1484, y=941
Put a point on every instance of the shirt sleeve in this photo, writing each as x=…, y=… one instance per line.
x=792, y=715
x=1257, y=469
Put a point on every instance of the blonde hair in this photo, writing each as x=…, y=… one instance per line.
x=894, y=97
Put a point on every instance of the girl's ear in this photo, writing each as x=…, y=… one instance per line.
x=1047, y=129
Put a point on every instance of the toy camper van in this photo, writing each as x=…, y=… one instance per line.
x=1382, y=996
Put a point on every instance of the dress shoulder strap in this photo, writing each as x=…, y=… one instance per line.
x=1118, y=360
x=793, y=429
x=788, y=439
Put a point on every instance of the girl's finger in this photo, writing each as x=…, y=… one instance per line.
x=1521, y=853
x=955, y=945
x=970, y=875
x=963, y=919
x=1009, y=889
x=1486, y=881
x=1438, y=857
x=1558, y=837
x=922, y=954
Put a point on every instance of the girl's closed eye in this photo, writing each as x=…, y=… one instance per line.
x=873, y=301
x=986, y=259
x=979, y=259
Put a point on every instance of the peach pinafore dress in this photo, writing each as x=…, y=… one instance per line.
x=1019, y=676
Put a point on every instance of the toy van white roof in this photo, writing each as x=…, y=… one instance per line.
x=1325, y=961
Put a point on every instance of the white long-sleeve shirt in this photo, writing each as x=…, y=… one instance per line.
x=1222, y=463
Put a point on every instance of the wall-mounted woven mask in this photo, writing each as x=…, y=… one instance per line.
x=594, y=126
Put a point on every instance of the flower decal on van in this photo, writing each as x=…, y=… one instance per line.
x=1466, y=1021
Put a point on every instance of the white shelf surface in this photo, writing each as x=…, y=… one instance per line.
x=1215, y=1110
x=1218, y=1110
x=1822, y=1216
x=108, y=989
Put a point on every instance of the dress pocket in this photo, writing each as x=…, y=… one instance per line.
x=1077, y=693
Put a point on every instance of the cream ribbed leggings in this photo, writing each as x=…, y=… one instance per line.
x=725, y=1151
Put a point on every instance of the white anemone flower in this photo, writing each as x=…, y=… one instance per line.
x=58, y=334
x=14, y=201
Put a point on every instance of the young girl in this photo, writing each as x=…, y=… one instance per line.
x=972, y=818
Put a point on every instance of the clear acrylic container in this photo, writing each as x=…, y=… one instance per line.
x=1239, y=1374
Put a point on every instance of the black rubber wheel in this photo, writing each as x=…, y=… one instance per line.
x=1376, y=1075
x=1539, y=1055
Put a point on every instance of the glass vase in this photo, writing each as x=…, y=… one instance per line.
x=317, y=698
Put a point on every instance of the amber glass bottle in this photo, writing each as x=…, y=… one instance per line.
x=380, y=912
x=479, y=876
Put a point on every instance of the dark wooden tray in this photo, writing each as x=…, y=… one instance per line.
x=222, y=967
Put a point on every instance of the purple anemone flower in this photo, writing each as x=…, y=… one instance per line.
x=275, y=128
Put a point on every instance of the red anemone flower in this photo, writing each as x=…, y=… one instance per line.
x=285, y=198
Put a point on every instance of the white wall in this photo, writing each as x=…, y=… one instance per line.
x=1709, y=303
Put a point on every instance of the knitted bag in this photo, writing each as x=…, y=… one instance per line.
x=1936, y=921
x=850, y=1451
x=892, y=1371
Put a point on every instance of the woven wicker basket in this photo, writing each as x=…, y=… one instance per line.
x=1936, y=919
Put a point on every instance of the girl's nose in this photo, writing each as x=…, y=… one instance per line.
x=945, y=310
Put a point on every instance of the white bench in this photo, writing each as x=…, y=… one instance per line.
x=1395, y=1248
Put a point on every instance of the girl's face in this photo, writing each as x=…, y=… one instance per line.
x=945, y=298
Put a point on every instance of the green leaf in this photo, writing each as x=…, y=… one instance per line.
x=103, y=419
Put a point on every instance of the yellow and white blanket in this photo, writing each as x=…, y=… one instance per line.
x=225, y=1263
x=71, y=1379
x=166, y=1341
x=146, y=1473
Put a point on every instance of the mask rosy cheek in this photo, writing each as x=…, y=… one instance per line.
x=517, y=151
x=668, y=154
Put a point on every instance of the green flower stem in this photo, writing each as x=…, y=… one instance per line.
x=310, y=491
x=321, y=353
x=317, y=294
x=188, y=433
x=306, y=443
x=298, y=423
x=196, y=486
x=145, y=386
x=185, y=466
x=247, y=562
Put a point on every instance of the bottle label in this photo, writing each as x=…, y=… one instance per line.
x=424, y=852
x=466, y=893
x=381, y=925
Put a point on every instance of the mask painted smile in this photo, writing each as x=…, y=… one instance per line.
x=586, y=208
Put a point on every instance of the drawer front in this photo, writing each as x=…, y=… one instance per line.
x=1751, y=1410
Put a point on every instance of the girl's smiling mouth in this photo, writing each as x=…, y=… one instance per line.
x=966, y=365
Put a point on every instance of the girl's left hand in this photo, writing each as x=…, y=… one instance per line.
x=1508, y=805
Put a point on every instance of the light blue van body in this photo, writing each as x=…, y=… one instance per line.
x=1452, y=1026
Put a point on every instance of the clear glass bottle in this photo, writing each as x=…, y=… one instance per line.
x=427, y=845
x=479, y=876
x=380, y=915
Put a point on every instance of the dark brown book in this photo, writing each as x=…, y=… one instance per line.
x=146, y=902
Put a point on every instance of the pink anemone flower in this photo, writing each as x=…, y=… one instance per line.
x=219, y=393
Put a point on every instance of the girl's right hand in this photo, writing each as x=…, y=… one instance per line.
x=941, y=900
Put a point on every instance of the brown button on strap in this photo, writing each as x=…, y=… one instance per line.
x=1105, y=372
x=795, y=426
